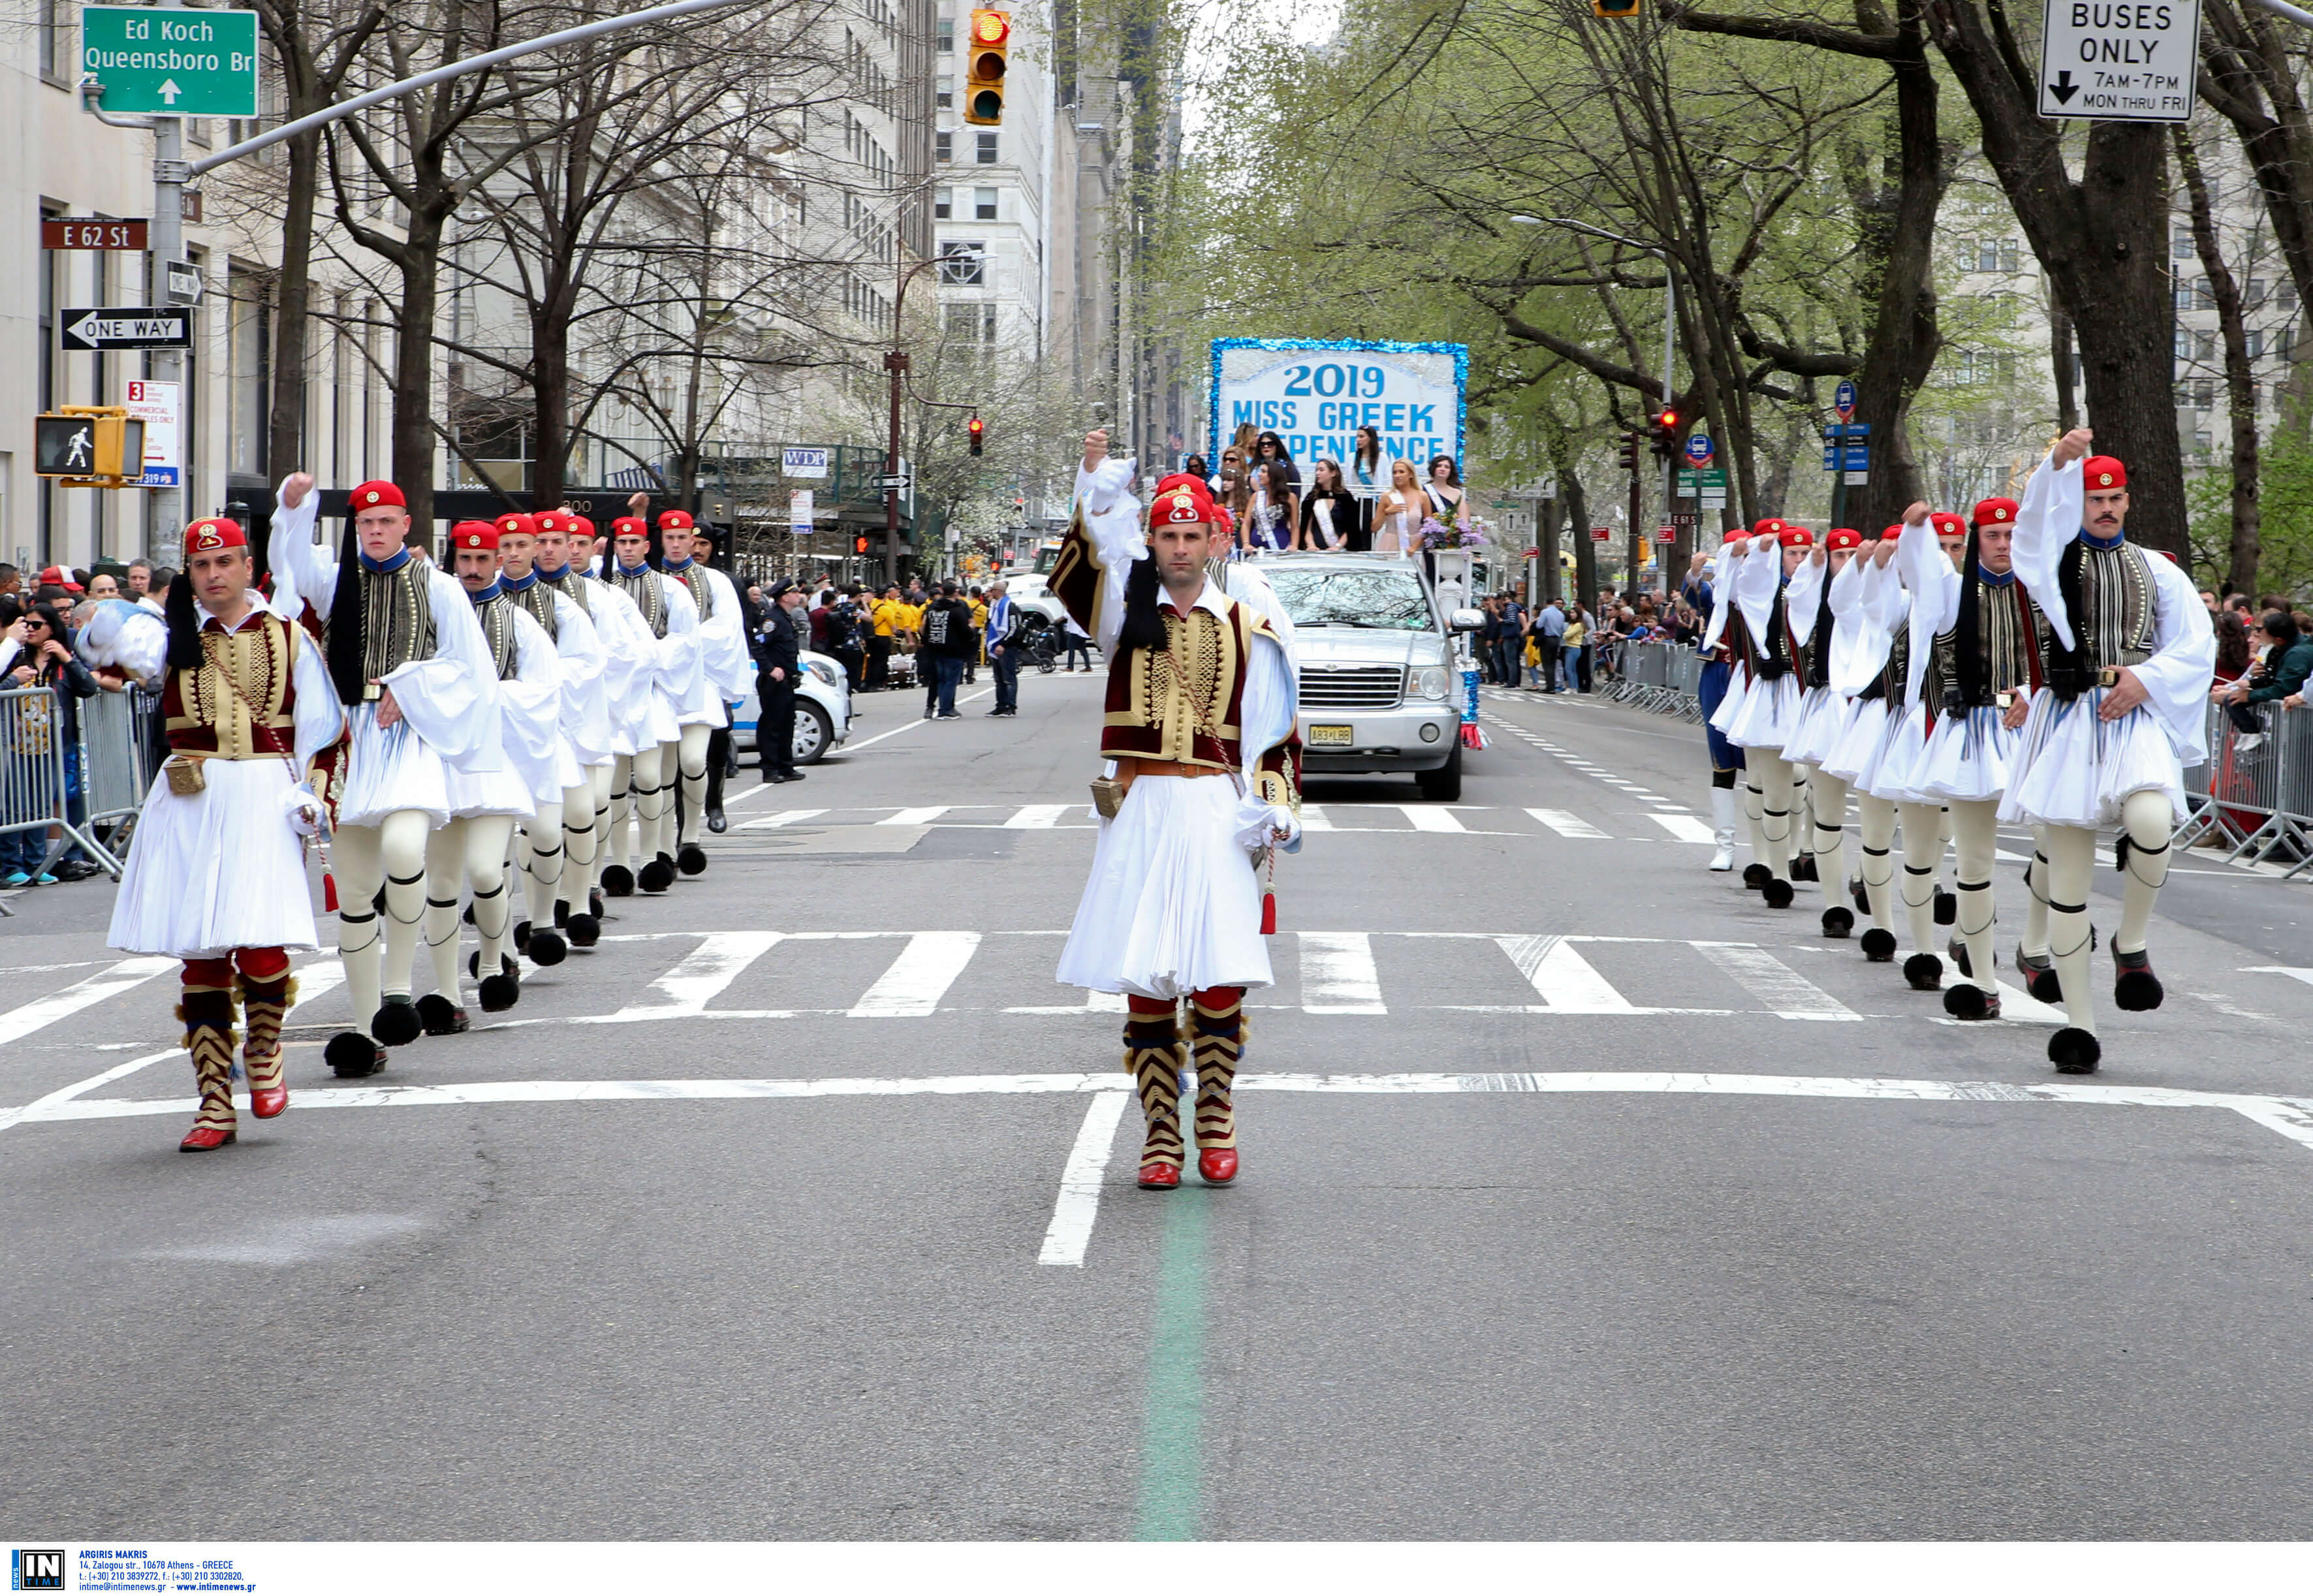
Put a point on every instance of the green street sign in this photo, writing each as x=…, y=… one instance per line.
x=170, y=60
x=1709, y=479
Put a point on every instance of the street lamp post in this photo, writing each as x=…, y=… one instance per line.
x=1670, y=346
x=895, y=362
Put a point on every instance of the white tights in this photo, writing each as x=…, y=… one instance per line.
x=1975, y=843
x=691, y=758
x=470, y=851
x=390, y=857
x=1826, y=802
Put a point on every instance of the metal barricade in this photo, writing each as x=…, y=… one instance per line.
x=114, y=730
x=38, y=763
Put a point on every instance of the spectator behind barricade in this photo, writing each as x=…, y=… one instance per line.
x=41, y=725
x=2232, y=651
x=2288, y=661
x=1550, y=636
x=1574, y=651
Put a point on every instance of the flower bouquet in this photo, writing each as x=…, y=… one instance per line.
x=1436, y=534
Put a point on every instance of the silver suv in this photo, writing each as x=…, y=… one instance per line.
x=1378, y=679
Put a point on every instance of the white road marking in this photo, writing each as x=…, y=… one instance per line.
x=1682, y=827
x=1562, y=978
x=785, y=817
x=1565, y=822
x=317, y=979
x=1431, y=819
x=1094, y=1003
x=1338, y=976
x=853, y=747
x=1788, y=994
x=9, y=1117
x=1078, y=1205
x=709, y=968
x=20, y=1022
x=2293, y=971
x=920, y=977
x=915, y=817
x=1313, y=818
x=1039, y=817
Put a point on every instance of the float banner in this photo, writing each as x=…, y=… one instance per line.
x=1316, y=394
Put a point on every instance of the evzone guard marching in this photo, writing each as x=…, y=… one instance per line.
x=559, y=837
x=217, y=875
x=726, y=676
x=669, y=640
x=1197, y=785
x=419, y=688
x=2127, y=658
x=629, y=667
x=471, y=849
x=1833, y=656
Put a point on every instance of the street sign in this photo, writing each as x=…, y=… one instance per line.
x=1700, y=450
x=1685, y=520
x=1854, y=429
x=182, y=284
x=1709, y=480
x=801, y=510
x=1843, y=400
x=2120, y=62
x=803, y=462
x=893, y=481
x=156, y=405
x=171, y=61
x=128, y=327
x=92, y=232
x=1852, y=456
x=1602, y=534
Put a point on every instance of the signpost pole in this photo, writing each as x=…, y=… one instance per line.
x=164, y=510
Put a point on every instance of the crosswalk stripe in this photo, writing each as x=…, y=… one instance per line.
x=918, y=977
x=1338, y=975
x=1078, y=1206
x=316, y=979
x=1682, y=827
x=701, y=976
x=1565, y=981
x=1565, y=822
x=1313, y=818
x=1431, y=819
x=1787, y=994
x=786, y=817
x=1037, y=817
x=915, y=817
x=20, y=1022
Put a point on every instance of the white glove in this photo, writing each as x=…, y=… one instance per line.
x=1258, y=821
x=303, y=810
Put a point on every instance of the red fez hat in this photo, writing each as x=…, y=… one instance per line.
x=2102, y=471
x=630, y=526
x=580, y=527
x=1843, y=537
x=514, y=521
x=1771, y=527
x=474, y=534
x=1893, y=531
x=369, y=495
x=1947, y=524
x=1997, y=512
x=1182, y=500
x=552, y=521
x=1795, y=537
x=674, y=520
x=1735, y=535
x=206, y=537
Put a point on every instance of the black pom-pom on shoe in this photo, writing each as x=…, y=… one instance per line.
x=2074, y=1051
x=1968, y=1001
x=690, y=859
x=617, y=880
x=656, y=876
x=548, y=948
x=499, y=993
x=1778, y=892
x=1755, y=876
x=1946, y=910
x=1924, y=971
x=440, y=1016
x=585, y=930
x=1837, y=921
x=396, y=1022
x=352, y=1056
x=2040, y=978
x=1879, y=946
x=2134, y=987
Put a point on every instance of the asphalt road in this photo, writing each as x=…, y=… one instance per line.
x=1584, y=1196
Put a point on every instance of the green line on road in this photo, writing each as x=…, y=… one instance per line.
x=1171, y=1449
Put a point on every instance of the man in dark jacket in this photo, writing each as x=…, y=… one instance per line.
x=777, y=661
x=947, y=642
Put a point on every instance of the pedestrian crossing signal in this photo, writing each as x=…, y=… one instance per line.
x=859, y=545
x=89, y=446
x=1614, y=8
x=988, y=49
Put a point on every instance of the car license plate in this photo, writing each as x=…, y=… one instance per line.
x=1332, y=736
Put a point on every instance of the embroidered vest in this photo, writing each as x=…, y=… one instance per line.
x=497, y=616
x=1889, y=683
x=643, y=587
x=702, y=591
x=572, y=585
x=396, y=617
x=202, y=713
x=2007, y=645
x=1155, y=700
x=538, y=600
x=2116, y=602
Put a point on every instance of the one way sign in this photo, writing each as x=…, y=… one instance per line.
x=128, y=327
x=2106, y=62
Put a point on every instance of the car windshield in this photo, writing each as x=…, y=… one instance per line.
x=1338, y=596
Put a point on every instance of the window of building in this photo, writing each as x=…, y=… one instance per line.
x=943, y=145
x=2255, y=338
x=983, y=205
x=944, y=36
x=55, y=23
x=2283, y=338
x=2200, y=442
x=2183, y=343
x=248, y=376
x=2255, y=293
x=961, y=323
x=2284, y=292
x=2204, y=298
x=988, y=324
x=943, y=204
x=985, y=150
x=2204, y=346
x=2180, y=245
x=962, y=265
x=944, y=95
x=2204, y=393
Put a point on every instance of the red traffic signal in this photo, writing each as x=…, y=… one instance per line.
x=1662, y=434
x=859, y=545
x=978, y=429
x=984, y=77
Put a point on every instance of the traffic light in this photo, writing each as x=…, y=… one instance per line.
x=1614, y=8
x=983, y=74
x=1664, y=435
x=979, y=431
x=1627, y=455
x=97, y=445
x=860, y=544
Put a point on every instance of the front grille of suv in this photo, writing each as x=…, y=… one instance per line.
x=1352, y=687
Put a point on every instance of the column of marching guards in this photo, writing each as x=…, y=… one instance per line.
x=2028, y=665
x=505, y=742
